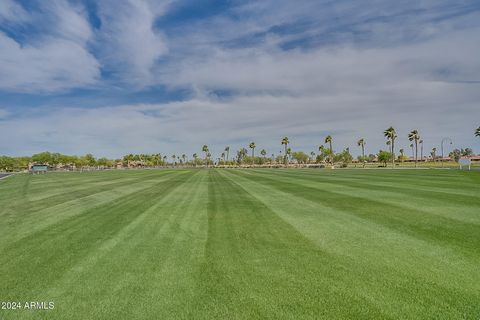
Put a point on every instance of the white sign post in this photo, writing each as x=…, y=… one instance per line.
x=465, y=162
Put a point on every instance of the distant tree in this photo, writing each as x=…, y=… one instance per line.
x=206, y=151
x=300, y=156
x=184, y=158
x=328, y=139
x=391, y=135
x=384, y=157
x=195, y=158
x=456, y=154
x=477, y=132
x=252, y=146
x=361, y=142
x=414, y=136
x=263, y=152
x=241, y=155
x=312, y=156
x=285, y=142
x=344, y=157
x=402, y=156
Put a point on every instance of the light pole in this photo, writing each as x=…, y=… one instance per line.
x=443, y=140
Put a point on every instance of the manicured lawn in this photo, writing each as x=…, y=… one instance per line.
x=242, y=244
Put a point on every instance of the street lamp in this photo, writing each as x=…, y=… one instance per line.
x=443, y=140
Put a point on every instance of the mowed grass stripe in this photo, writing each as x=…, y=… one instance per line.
x=408, y=185
x=448, y=181
x=448, y=205
x=400, y=274
x=57, y=248
x=149, y=266
x=258, y=266
x=65, y=190
x=462, y=236
x=239, y=244
x=13, y=228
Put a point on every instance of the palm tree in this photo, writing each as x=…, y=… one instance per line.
x=312, y=154
x=477, y=132
x=401, y=154
x=361, y=143
x=285, y=142
x=205, y=149
x=413, y=154
x=165, y=160
x=391, y=135
x=184, y=157
x=252, y=146
x=328, y=139
x=195, y=157
x=174, y=157
x=414, y=136
x=434, y=154
x=223, y=156
x=263, y=152
x=227, y=150
x=289, y=153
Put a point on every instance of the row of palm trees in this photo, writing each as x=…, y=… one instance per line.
x=390, y=134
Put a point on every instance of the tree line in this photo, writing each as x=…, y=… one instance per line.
x=325, y=156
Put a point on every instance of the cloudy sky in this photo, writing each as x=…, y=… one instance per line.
x=112, y=77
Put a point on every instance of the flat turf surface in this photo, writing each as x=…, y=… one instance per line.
x=242, y=244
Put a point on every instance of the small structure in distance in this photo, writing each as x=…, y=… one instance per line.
x=38, y=168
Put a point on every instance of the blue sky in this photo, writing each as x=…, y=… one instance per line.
x=116, y=77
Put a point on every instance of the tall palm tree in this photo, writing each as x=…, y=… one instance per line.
x=252, y=146
x=195, y=157
x=414, y=136
x=184, y=157
x=401, y=154
x=222, y=156
x=434, y=154
x=328, y=139
x=391, y=135
x=174, y=157
x=227, y=150
x=285, y=142
x=165, y=160
x=413, y=153
x=361, y=143
x=477, y=132
x=205, y=149
x=312, y=154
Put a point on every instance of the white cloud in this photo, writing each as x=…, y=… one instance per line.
x=56, y=59
x=50, y=66
x=182, y=127
x=10, y=11
x=128, y=44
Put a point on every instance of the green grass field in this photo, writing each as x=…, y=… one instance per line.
x=242, y=244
